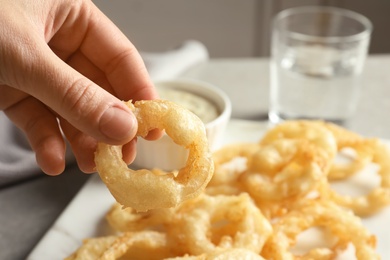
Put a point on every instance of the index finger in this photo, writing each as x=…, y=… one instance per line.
x=112, y=52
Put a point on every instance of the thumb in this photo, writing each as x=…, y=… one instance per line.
x=84, y=104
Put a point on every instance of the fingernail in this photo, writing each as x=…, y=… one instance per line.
x=117, y=124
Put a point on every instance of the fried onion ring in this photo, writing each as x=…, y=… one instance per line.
x=357, y=162
x=347, y=139
x=230, y=162
x=209, y=223
x=311, y=131
x=143, y=190
x=127, y=219
x=283, y=169
x=341, y=223
x=223, y=254
x=130, y=245
x=377, y=198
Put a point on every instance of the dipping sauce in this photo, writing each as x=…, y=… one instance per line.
x=198, y=105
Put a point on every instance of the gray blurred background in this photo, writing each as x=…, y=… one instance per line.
x=228, y=28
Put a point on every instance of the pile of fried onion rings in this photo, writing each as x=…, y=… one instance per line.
x=261, y=197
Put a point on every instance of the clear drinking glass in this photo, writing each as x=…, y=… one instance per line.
x=317, y=58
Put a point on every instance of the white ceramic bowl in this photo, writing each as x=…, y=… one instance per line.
x=164, y=153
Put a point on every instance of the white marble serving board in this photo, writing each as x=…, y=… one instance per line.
x=84, y=216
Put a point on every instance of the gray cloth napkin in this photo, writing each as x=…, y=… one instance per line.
x=17, y=161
